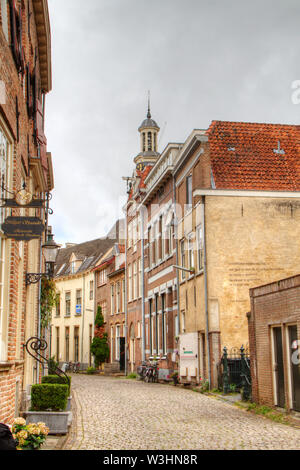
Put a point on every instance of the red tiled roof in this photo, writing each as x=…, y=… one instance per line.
x=142, y=175
x=242, y=156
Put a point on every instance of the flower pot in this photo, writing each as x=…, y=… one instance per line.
x=57, y=421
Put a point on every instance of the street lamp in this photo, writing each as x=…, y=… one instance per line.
x=50, y=251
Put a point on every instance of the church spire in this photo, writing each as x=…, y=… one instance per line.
x=149, y=112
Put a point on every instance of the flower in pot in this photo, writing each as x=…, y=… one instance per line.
x=175, y=377
x=31, y=436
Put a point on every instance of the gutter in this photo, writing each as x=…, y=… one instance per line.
x=206, y=296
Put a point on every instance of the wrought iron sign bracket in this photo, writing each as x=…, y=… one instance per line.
x=34, y=346
x=34, y=278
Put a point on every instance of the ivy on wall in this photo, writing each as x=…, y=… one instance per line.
x=49, y=299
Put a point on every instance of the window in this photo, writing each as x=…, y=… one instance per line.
x=118, y=342
x=130, y=283
x=144, y=142
x=4, y=246
x=135, y=280
x=57, y=306
x=134, y=234
x=139, y=329
x=129, y=241
x=160, y=237
x=112, y=299
x=164, y=324
x=182, y=251
x=150, y=327
x=91, y=290
x=149, y=141
x=156, y=326
x=103, y=305
x=140, y=278
x=200, y=253
x=4, y=18
x=189, y=192
x=111, y=344
x=78, y=302
x=123, y=295
x=183, y=321
x=67, y=343
x=118, y=308
x=73, y=267
x=191, y=251
x=68, y=304
x=57, y=343
x=102, y=277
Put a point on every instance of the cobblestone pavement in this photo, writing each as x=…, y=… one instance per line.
x=121, y=414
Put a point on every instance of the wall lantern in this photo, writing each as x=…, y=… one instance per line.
x=50, y=251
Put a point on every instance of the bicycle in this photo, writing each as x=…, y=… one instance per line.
x=151, y=374
x=141, y=370
x=76, y=367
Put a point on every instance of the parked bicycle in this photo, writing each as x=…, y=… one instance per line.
x=151, y=373
x=141, y=370
x=76, y=367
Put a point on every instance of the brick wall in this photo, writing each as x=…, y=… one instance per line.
x=272, y=305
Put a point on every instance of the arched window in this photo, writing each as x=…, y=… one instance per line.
x=149, y=141
x=144, y=142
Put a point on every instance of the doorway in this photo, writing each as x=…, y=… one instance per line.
x=278, y=367
x=122, y=354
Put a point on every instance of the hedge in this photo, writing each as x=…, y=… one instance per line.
x=55, y=379
x=49, y=397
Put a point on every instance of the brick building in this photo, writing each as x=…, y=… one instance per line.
x=274, y=337
x=25, y=79
x=161, y=319
x=110, y=296
x=237, y=193
x=135, y=220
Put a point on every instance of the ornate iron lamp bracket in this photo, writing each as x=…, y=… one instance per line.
x=34, y=278
x=34, y=346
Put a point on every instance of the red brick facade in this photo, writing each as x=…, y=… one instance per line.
x=274, y=329
x=21, y=122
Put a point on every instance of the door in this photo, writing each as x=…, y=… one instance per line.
x=122, y=354
x=294, y=346
x=278, y=367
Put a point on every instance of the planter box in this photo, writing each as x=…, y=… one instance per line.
x=56, y=421
x=68, y=408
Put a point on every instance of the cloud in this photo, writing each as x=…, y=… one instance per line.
x=201, y=60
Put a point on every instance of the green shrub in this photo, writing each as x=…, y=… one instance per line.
x=100, y=349
x=91, y=370
x=49, y=397
x=55, y=379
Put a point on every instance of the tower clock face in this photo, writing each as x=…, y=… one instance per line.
x=23, y=197
x=140, y=167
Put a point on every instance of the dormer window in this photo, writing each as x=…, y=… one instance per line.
x=73, y=267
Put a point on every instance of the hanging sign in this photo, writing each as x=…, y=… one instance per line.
x=13, y=204
x=23, y=228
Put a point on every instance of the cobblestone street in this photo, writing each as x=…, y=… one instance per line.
x=121, y=414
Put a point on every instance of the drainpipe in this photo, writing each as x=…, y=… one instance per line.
x=177, y=258
x=126, y=306
x=143, y=287
x=206, y=295
x=82, y=317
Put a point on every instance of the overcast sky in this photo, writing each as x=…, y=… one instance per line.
x=202, y=60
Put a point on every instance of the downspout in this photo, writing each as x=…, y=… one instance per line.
x=126, y=306
x=177, y=257
x=143, y=288
x=206, y=295
x=82, y=318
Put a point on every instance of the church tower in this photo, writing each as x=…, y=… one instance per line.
x=148, y=137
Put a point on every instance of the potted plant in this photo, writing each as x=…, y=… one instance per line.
x=48, y=404
x=175, y=378
x=55, y=379
x=29, y=436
